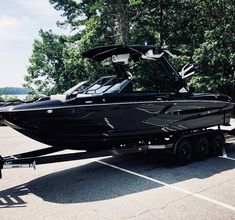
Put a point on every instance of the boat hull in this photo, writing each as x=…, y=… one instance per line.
x=106, y=125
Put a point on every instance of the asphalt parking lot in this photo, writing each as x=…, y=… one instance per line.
x=123, y=187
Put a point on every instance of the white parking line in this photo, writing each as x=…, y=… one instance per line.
x=228, y=158
x=224, y=153
x=225, y=156
x=224, y=205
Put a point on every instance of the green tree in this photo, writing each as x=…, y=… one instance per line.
x=216, y=53
x=55, y=64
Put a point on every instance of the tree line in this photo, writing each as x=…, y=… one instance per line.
x=202, y=29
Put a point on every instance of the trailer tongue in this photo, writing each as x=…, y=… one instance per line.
x=38, y=157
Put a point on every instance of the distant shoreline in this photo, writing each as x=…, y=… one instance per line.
x=18, y=92
x=18, y=96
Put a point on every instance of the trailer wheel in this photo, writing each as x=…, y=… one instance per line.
x=183, y=152
x=217, y=144
x=202, y=148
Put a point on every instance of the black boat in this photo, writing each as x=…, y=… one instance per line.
x=115, y=112
x=8, y=103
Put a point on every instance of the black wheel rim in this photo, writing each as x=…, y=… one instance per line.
x=184, y=153
x=203, y=147
x=218, y=145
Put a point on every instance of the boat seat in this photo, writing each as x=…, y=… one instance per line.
x=60, y=97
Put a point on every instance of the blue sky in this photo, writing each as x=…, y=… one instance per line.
x=20, y=21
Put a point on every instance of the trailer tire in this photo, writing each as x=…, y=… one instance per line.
x=183, y=152
x=202, y=147
x=217, y=144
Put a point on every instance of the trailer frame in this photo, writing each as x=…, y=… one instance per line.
x=43, y=156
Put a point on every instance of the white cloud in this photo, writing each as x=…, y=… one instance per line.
x=10, y=28
x=41, y=8
x=8, y=22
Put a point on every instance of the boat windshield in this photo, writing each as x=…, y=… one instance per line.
x=79, y=88
x=107, y=84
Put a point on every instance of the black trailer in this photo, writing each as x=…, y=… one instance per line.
x=198, y=143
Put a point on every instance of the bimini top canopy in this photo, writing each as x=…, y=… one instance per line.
x=135, y=52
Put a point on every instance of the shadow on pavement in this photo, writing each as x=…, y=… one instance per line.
x=11, y=198
x=96, y=182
